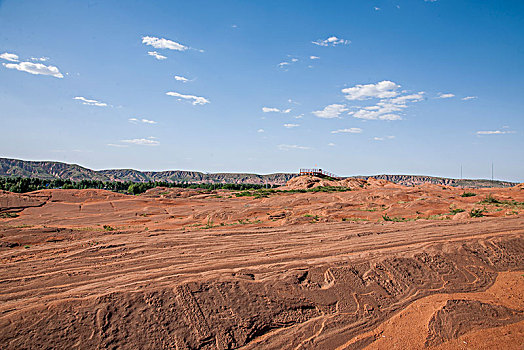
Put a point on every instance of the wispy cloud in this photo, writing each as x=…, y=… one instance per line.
x=331, y=41
x=383, y=138
x=9, y=57
x=347, y=131
x=88, y=102
x=382, y=89
x=143, y=121
x=35, y=68
x=495, y=132
x=41, y=59
x=156, y=55
x=275, y=110
x=376, y=8
x=290, y=126
x=314, y=57
x=467, y=98
x=331, y=111
x=286, y=64
x=331, y=144
x=181, y=78
x=292, y=147
x=447, y=95
x=197, y=100
x=142, y=142
x=162, y=43
x=117, y=145
x=261, y=130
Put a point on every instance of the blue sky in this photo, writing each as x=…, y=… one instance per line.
x=354, y=87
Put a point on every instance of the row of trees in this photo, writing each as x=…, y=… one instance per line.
x=22, y=185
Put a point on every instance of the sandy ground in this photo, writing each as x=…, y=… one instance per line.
x=189, y=269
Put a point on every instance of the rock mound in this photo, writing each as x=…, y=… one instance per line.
x=306, y=182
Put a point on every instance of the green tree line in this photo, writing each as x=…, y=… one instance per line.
x=22, y=185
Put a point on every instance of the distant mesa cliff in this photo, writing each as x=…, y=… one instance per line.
x=57, y=170
x=74, y=172
x=413, y=180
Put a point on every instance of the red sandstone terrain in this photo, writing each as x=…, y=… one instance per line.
x=380, y=266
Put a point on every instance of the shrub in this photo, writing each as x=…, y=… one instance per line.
x=395, y=219
x=468, y=194
x=490, y=200
x=476, y=213
x=8, y=215
x=456, y=211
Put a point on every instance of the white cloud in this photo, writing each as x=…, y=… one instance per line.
x=390, y=117
x=347, y=131
x=294, y=60
x=441, y=95
x=408, y=98
x=142, y=142
x=377, y=8
x=156, y=55
x=88, y=102
x=292, y=147
x=35, y=68
x=260, y=130
x=467, y=98
x=385, y=109
x=181, y=78
x=283, y=64
x=270, y=109
x=276, y=110
x=145, y=121
x=382, y=89
x=162, y=43
x=331, y=144
x=289, y=126
x=300, y=116
x=9, y=57
x=197, y=100
x=383, y=138
x=494, y=132
x=41, y=59
x=314, y=57
x=117, y=145
x=331, y=111
x=331, y=41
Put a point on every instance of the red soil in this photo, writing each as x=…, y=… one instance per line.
x=196, y=269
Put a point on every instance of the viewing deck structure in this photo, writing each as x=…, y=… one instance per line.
x=318, y=172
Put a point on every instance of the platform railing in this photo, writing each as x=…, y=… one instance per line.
x=317, y=172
